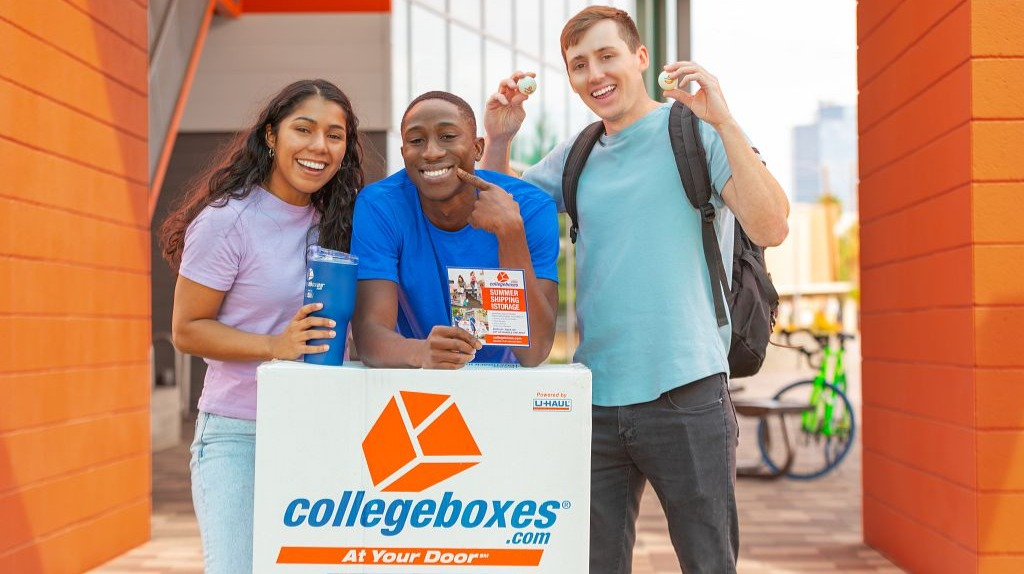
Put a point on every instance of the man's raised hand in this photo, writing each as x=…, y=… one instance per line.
x=708, y=103
x=504, y=112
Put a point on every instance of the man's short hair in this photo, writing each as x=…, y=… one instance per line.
x=464, y=108
x=578, y=25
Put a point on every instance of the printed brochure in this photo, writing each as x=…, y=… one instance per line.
x=490, y=304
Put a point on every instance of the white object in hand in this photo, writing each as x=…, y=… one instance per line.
x=666, y=82
x=527, y=85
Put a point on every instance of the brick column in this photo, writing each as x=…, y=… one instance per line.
x=942, y=197
x=74, y=284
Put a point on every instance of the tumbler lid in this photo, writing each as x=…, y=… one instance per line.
x=317, y=253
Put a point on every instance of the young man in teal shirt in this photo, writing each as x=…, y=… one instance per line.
x=661, y=410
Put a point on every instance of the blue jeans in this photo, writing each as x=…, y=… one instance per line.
x=223, y=472
x=684, y=442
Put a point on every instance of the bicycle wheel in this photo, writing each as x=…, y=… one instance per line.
x=818, y=449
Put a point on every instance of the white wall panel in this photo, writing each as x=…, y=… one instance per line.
x=247, y=60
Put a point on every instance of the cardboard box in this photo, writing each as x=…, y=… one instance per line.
x=483, y=469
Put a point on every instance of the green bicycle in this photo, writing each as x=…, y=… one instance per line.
x=823, y=433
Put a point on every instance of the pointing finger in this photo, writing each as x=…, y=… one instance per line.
x=472, y=179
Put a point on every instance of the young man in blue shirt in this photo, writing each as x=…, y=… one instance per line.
x=662, y=411
x=407, y=229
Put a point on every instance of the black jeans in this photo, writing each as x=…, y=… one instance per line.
x=684, y=442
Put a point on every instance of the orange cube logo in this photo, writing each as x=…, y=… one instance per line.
x=418, y=440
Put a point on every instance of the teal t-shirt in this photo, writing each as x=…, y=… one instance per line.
x=646, y=316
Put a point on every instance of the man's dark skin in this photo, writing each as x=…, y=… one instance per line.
x=440, y=149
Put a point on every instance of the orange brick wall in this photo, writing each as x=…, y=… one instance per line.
x=997, y=83
x=942, y=198
x=74, y=283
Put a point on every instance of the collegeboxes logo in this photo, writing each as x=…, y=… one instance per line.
x=419, y=440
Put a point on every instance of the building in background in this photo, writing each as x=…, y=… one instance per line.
x=467, y=47
x=815, y=269
x=825, y=157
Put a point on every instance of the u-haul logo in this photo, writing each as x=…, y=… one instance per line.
x=556, y=405
x=419, y=440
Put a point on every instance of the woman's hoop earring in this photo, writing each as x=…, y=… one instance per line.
x=271, y=151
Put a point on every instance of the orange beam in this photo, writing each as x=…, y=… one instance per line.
x=252, y=6
x=179, y=109
x=229, y=8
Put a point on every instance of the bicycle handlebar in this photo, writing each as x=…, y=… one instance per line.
x=821, y=337
x=818, y=333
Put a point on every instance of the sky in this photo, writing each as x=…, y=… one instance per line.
x=775, y=61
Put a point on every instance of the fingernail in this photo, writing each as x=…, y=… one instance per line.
x=331, y=323
x=332, y=334
x=319, y=305
x=327, y=347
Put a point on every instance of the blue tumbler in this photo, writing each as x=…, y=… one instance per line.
x=331, y=280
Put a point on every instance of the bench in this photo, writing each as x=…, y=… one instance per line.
x=762, y=409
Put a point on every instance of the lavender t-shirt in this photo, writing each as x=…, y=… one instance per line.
x=253, y=249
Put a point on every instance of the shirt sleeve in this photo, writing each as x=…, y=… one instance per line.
x=718, y=162
x=374, y=240
x=541, y=226
x=213, y=248
x=547, y=173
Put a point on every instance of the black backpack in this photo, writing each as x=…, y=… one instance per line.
x=753, y=300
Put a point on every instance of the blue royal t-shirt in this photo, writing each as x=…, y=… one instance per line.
x=395, y=241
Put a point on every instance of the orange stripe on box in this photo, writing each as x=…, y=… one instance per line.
x=250, y=6
x=409, y=556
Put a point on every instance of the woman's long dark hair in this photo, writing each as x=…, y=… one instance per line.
x=246, y=164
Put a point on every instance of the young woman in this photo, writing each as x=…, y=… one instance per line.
x=238, y=241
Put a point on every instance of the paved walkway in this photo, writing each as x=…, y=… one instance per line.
x=785, y=526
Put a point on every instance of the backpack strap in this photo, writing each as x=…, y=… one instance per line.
x=757, y=267
x=691, y=160
x=578, y=155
